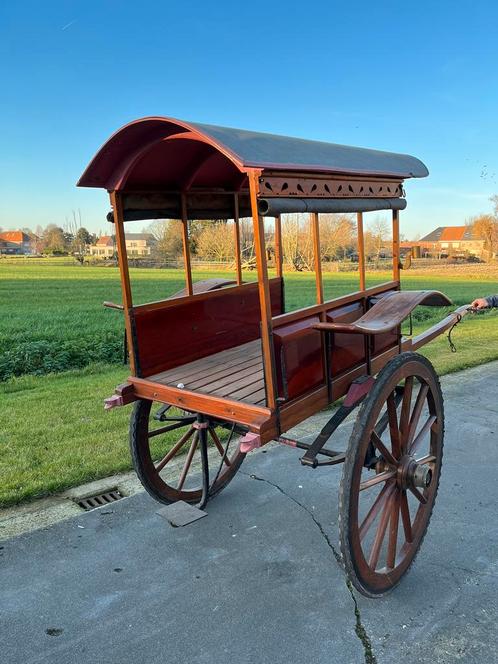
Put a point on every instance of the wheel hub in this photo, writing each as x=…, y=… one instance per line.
x=413, y=474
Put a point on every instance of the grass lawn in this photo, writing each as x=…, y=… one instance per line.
x=53, y=430
x=53, y=319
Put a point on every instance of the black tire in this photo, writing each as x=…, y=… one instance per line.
x=390, y=507
x=160, y=488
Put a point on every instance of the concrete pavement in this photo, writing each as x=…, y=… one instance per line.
x=258, y=581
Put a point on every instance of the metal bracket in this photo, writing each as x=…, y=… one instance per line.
x=356, y=393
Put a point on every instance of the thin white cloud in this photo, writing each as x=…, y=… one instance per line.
x=68, y=25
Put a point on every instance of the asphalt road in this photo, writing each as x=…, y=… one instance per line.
x=257, y=581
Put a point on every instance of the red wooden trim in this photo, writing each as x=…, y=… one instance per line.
x=264, y=293
x=315, y=229
x=257, y=418
x=300, y=409
x=395, y=245
x=186, y=248
x=206, y=295
x=236, y=230
x=117, y=206
x=279, y=254
x=361, y=249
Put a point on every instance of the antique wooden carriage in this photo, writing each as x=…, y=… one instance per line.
x=226, y=368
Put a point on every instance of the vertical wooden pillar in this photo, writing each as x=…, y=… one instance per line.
x=395, y=246
x=264, y=293
x=279, y=254
x=315, y=229
x=119, y=230
x=186, y=247
x=361, y=249
x=236, y=230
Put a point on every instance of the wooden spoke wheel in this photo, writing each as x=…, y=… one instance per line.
x=167, y=453
x=391, y=474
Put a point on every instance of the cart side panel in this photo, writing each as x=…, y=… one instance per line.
x=176, y=333
x=299, y=353
x=346, y=350
x=299, y=358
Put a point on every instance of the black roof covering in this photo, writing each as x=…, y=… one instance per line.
x=257, y=149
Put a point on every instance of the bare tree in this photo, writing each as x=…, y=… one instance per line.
x=337, y=235
x=291, y=240
x=379, y=230
x=169, y=238
x=485, y=227
x=216, y=242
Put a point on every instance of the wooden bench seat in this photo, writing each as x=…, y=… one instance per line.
x=388, y=313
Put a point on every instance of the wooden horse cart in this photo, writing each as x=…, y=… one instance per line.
x=226, y=369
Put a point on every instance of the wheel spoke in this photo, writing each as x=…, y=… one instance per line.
x=393, y=531
x=405, y=517
x=381, y=532
x=219, y=446
x=381, y=477
x=383, y=449
x=418, y=495
x=392, y=414
x=405, y=411
x=174, y=450
x=426, y=459
x=377, y=505
x=417, y=412
x=420, y=437
x=188, y=461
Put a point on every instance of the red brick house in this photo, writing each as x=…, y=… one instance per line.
x=448, y=241
x=16, y=242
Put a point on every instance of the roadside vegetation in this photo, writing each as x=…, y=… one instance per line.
x=54, y=432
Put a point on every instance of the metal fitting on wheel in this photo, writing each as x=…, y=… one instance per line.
x=422, y=477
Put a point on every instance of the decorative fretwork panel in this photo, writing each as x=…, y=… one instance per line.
x=310, y=187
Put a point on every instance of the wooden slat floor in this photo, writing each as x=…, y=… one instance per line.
x=234, y=374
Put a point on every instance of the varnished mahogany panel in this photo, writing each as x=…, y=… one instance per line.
x=199, y=326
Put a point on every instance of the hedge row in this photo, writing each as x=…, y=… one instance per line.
x=43, y=357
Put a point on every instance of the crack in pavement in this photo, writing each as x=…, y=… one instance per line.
x=360, y=630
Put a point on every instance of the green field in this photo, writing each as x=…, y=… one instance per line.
x=53, y=430
x=53, y=319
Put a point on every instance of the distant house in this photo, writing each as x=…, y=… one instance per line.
x=103, y=248
x=137, y=244
x=16, y=242
x=449, y=241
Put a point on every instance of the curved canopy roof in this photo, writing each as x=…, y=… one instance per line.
x=167, y=153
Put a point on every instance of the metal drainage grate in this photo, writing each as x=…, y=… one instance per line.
x=93, y=502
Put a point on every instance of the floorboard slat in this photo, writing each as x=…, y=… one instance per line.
x=236, y=374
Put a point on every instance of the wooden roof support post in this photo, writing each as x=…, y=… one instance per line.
x=315, y=229
x=117, y=207
x=361, y=249
x=236, y=230
x=279, y=254
x=264, y=293
x=186, y=247
x=395, y=246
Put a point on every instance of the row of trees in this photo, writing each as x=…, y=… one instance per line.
x=56, y=240
x=214, y=241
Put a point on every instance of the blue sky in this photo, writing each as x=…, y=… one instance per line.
x=417, y=77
